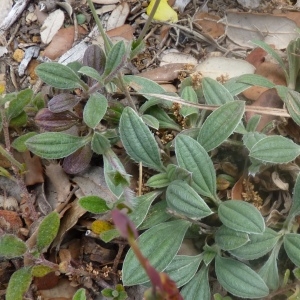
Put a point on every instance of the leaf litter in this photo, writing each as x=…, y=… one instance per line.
x=212, y=43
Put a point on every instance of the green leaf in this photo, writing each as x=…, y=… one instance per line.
x=275, y=149
x=209, y=253
x=16, y=106
x=138, y=140
x=258, y=246
x=252, y=123
x=294, y=62
x=59, y=76
x=174, y=172
x=19, y=121
x=163, y=118
x=141, y=207
x=234, y=87
x=151, y=121
x=79, y=295
x=40, y=270
x=274, y=54
x=215, y=93
x=184, y=200
x=241, y=216
x=193, y=157
x=295, y=208
x=229, y=239
x=157, y=214
x=159, y=244
x=188, y=94
x=54, y=145
x=100, y=144
x=115, y=60
x=251, y=138
x=239, y=279
x=94, y=110
x=90, y=72
x=291, y=99
x=292, y=247
x=269, y=271
x=158, y=181
x=220, y=124
x=94, y=204
x=198, y=288
x=47, y=231
x=254, y=79
x=19, y=143
x=18, y=284
x=109, y=235
x=11, y=246
x=183, y=268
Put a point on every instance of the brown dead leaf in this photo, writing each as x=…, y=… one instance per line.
x=57, y=185
x=10, y=221
x=125, y=31
x=63, y=290
x=238, y=189
x=69, y=219
x=269, y=70
x=256, y=57
x=46, y=282
x=269, y=98
x=62, y=42
x=209, y=24
x=34, y=169
x=166, y=73
x=292, y=15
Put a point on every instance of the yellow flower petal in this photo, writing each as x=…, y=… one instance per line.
x=164, y=11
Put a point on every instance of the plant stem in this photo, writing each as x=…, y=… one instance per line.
x=148, y=22
x=107, y=42
x=125, y=91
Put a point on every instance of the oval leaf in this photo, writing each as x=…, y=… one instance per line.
x=79, y=295
x=62, y=102
x=11, y=246
x=138, y=140
x=142, y=206
x=193, y=157
x=18, y=284
x=54, y=145
x=59, y=76
x=239, y=279
x=188, y=93
x=16, y=106
x=184, y=200
x=198, y=288
x=183, y=268
x=158, y=244
x=292, y=247
x=269, y=271
x=94, y=110
x=94, y=204
x=295, y=209
x=220, y=124
x=241, y=216
x=229, y=239
x=275, y=149
x=215, y=93
x=47, y=231
x=258, y=246
x=100, y=144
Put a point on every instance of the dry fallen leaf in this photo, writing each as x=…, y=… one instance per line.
x=51, y=25
x=62, y=42
x=6, y=6
x=165, y=73
x=242, y=28
x=118, y=16
x=269, y=70
x=209, y=24
x=268, y=98
x=223, y=67
x=171, y=57
x=256, y=57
